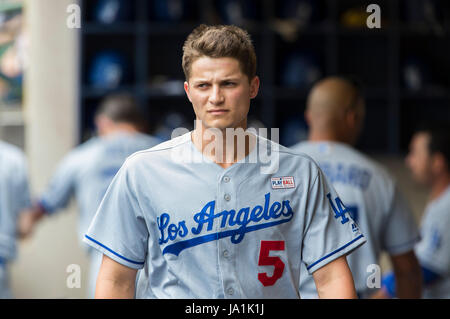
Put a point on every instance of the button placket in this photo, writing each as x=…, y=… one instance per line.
x=226, y=248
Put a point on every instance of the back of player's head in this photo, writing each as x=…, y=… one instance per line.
x=220, y=41
x=335, y=93
x=335, y=107
x=121, y=108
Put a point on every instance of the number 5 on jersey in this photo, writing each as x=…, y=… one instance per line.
x=266, y=260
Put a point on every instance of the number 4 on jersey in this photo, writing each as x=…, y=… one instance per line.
x=340, y=211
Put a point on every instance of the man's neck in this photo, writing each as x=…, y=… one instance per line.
x=439, y=186
x=224, y=150
x=325, y=137
x=119, y=128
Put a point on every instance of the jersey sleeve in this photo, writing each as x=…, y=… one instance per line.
x=118, y=229
x=15, y=199
x=329, y=230
x=400, y=232
x=432, y=250
x=62, y=185
x=21, y=189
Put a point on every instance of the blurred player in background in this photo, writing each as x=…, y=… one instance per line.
x=335, y=114
x=14, y=197
x=87, y=171
x=429, y=162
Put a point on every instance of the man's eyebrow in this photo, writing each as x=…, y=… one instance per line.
x=200, y=80
x=225, y=79
x=231, y=78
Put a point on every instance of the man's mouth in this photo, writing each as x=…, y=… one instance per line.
x=218, y=111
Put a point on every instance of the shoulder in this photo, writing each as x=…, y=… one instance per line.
x=84, y=151
x=162, y=151
x=291, y=157
x=142, y=139
x=150, y=139
x=11, y=153
x=301, y=146
x=438, y=209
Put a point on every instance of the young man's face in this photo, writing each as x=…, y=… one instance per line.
x=220, y=93
x=419, y=159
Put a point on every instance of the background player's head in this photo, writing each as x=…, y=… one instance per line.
x=335, y=110
x=119, y=112
x=219, y=63
x=429, y=154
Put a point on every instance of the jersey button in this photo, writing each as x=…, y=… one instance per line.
x=226, y=254
x=227, y=197
x=226, y=179
x=230, y=291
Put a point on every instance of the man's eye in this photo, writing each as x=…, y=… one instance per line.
x=229, y=83
x=202, y=85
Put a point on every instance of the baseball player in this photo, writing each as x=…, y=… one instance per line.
x=87, y=171
x=14, y=197
x=200, y=215
x=429, y=162
x=335, y=112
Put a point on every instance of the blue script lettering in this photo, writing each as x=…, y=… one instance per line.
x=279, y=212
x=172, y=229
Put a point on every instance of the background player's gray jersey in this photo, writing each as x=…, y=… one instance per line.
x=14, y=197
x=198, y=230
x=374, y=202
x=87, y=171
x=433, y=250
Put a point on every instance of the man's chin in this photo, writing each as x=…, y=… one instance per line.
x=216, y=125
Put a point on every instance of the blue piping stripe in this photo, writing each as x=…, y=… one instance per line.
x=110, y=250
x=334, y=252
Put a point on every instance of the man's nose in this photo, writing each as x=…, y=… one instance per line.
x=216, y=97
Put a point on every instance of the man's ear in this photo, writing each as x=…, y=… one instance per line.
x=186, y=89
x=438, y=163
x=254, y=87
x=307, y=116
x=351, y=118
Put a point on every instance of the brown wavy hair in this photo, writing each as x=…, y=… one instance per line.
x=220, y=41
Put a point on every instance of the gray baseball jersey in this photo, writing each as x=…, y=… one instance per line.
x=433, y=251
x=86, y=173
x=14, y=197
x=198, y=230
x=374, y=202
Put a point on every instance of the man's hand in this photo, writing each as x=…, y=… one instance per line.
x=27, y=220
x=335, y=280
x=380, y=294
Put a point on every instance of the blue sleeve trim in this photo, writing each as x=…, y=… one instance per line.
x=113, y=252
x=334, y=252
